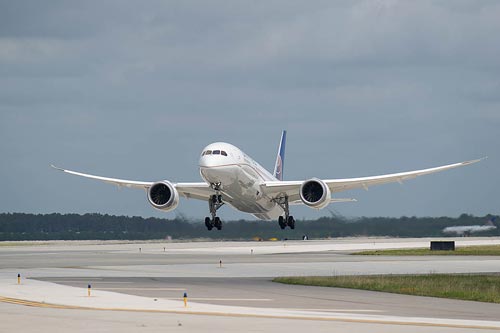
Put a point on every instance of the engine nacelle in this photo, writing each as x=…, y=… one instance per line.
x=163, y=196
x=315, y=193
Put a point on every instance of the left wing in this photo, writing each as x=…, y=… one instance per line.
x=291, y=188
x=201, y=191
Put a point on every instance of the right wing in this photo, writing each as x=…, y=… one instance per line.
x=201, y=191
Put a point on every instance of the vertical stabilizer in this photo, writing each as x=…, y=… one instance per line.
x=280, y=158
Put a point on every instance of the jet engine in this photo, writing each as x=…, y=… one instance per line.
x=315, y=193
x=163, y=196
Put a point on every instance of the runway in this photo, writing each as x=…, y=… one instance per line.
x=229, y=287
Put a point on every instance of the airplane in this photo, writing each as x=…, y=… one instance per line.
x=467, y=230
x=232, y=177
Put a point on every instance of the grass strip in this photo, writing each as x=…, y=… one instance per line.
x=480, y=250
x=483, y=288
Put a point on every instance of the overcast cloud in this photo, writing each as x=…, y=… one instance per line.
x=136, y=89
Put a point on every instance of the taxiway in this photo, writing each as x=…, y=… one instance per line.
x=229, y=287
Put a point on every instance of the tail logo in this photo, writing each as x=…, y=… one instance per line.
x=278, y=167
x=280, y=158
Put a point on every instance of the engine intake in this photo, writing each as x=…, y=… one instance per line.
x=163, y=196
x=315, y=193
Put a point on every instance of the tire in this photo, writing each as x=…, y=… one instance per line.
x=291, y=222
x=218, y=223
x=281, y=222
x=208, y=223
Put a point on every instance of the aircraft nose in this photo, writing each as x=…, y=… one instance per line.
x=202, y=162
x=206, y=161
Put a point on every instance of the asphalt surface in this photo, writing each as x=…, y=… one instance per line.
x=167, y=271
x=262, y=292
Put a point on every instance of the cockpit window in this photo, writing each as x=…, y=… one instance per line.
x=214, y=152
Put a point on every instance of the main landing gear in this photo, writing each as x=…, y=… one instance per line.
x=214, y=203
x=287, y=220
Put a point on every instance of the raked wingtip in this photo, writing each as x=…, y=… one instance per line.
x=57, y=168
x=475, y=161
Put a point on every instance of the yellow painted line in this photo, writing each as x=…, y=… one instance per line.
x=36, y=304
x=225, y=314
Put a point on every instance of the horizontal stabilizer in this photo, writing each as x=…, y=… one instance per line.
x=332, y=200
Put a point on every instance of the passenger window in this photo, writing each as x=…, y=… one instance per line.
x=222, y=152
x=216, y=152
x=208, y=152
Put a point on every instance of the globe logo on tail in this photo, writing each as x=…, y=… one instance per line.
x=278, y=167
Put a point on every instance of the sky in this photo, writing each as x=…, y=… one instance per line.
x=136, y=89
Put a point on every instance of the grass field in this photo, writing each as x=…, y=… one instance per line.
x=483, y=288
x=480, y=250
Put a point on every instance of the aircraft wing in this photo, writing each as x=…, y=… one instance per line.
x=291, y=188
x=201, y=190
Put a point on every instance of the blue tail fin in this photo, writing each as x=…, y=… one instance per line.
x=280, y=159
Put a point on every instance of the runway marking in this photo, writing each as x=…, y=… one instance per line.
x=224, y=314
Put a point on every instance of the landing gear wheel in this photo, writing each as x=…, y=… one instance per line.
x=281, y=222
x=287, y=220
x=291, y=222
x=208, y=223
x=217, y=223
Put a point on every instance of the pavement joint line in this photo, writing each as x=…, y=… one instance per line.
x=138, y=288
x=225, y=314
x=221, y=299
x=84, y=281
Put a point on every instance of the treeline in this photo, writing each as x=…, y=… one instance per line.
x=18, y=226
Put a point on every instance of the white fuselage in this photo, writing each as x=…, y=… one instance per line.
x=239, y=178
x=468, y=229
